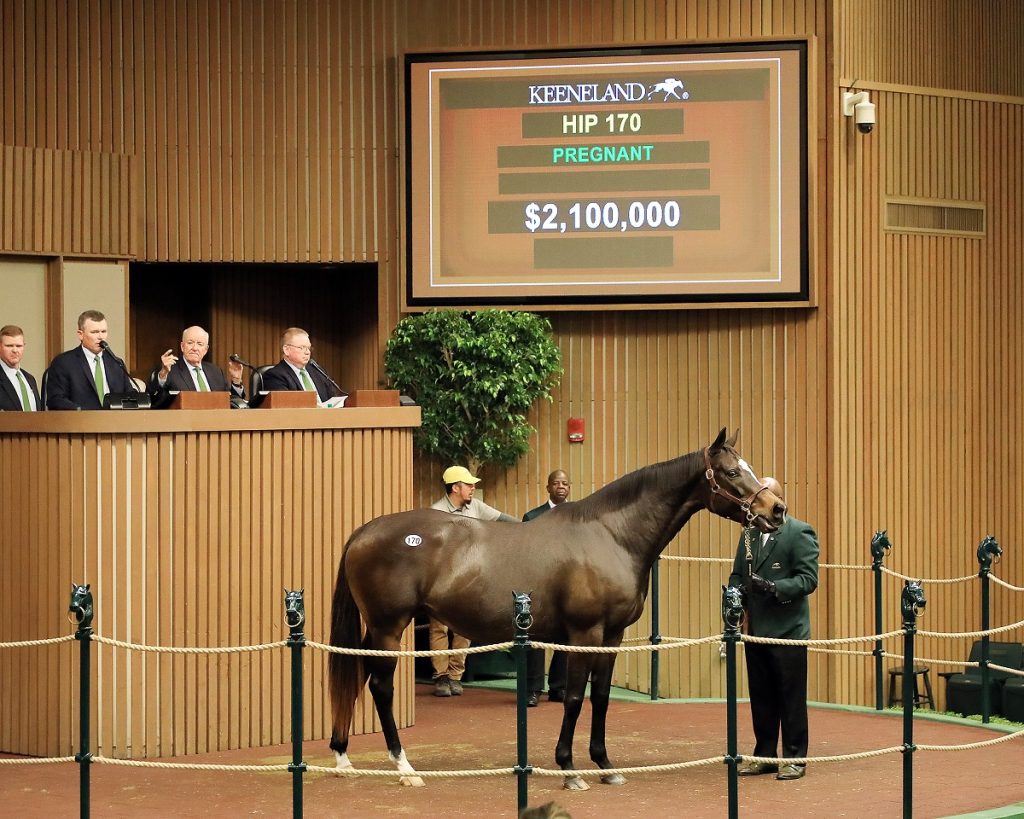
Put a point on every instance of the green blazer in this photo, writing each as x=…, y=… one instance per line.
x=790, y=559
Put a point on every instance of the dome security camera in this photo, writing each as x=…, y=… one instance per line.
x=859, y=106
x=864, y=116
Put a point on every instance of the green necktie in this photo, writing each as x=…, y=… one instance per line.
x=26, y=404
x=98, y=375
x=203, y=386
x=307, y=384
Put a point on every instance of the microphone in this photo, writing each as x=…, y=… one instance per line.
x=323, y=372
x=239, y=360
x=131, y=381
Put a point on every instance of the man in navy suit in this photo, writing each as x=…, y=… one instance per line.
x=191, y=373
x=81, y=377
x=17, y=387
x=291, y=373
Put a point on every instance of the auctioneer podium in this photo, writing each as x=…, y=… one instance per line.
x=188, y=524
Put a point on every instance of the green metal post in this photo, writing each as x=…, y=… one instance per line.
x=911, y=602
x=521, y=648
x=655, y=626
x=879, y=546
x=295, y=617
x=732, y=615
x=81, y=608
x=987, y=549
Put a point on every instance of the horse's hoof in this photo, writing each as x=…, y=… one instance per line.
x=614, y=779
x=411, y=781
x=575, y=783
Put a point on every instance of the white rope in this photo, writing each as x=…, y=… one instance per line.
x=37, y=760
x=47, y=642
x=923, y=580
x=187, y=649
x=952, y=635
x=972, y=745
x=446, y=652
x=357, y=772
x=1004, y=584
x=778, y=641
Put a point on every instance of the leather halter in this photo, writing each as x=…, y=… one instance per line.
x=743, y=503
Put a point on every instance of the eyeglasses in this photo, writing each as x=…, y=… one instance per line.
x=303, y=348
x=194, y=343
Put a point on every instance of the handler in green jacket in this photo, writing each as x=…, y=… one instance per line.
x=777, y=577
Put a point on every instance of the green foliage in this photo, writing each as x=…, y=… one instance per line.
x=475, y=375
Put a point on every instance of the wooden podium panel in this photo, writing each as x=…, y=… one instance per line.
x=188, y=525
x=372, y=398
x=187, y=399
x=288, y=399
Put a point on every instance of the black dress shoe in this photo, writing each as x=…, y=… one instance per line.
x=556, y=695
x=532, y=700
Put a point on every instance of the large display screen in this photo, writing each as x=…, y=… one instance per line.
x=617, y=176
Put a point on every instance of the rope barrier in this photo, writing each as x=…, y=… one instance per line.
x=186, y=649
x=463, y=774
x=190, y=766
x=1004, y=584
x=37, y=760
x=952, y=635
x=936, y=580
x=443, y=652
x=47, y=642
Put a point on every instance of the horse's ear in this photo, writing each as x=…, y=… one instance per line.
x=719, y=440
x=732, y=441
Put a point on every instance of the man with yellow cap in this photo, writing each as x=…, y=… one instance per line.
x=459, y=486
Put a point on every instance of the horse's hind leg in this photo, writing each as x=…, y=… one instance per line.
x=600, y=689
x=575, y=687
x=382, y=689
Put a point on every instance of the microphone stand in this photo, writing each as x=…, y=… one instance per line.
x=323, y=372
x=131, y=381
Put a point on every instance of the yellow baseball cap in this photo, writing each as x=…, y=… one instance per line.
x=458, y=474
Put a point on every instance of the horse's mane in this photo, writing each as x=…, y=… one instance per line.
x=626, y=490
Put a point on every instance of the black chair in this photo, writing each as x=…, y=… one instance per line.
x=256, y=385
x=964, y=690
x=1013, y=699
x=42, y=389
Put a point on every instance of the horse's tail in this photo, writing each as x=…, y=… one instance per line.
x=346, y=671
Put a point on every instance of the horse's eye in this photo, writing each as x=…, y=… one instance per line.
x=733, y=473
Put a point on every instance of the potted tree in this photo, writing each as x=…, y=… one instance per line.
x=475, y=376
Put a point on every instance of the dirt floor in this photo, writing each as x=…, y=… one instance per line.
x=478, y=731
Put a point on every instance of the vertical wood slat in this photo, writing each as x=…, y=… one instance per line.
x=158, y=526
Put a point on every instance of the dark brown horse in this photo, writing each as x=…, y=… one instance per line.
x=587, y=564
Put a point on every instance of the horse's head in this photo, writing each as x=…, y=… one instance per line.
x=735, y=491
x=988, y=549
x=294, y=608
x=80, y=609
x=732, y=606
x=880, y=545
x=912, y=601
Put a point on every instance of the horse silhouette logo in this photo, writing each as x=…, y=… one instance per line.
x=670, y=87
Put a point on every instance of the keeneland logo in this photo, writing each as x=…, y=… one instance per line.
x=670, y=87
x=613, y=92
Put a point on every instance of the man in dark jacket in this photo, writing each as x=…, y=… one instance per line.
x=190, y=373
x=777, y=572
x=82, y=377
x=558, y=491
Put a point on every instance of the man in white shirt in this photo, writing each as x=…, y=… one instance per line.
x=459, y=486
x=18, y=392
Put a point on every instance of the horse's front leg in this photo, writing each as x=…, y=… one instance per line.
x=600, y=689
x=578, y=673
x=382, y=689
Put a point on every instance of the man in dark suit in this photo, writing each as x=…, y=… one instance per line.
x=291, y=373
x=81, y=377
x=18, y=391
x=191, y=373
x=558, y=490
x=777, y=572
